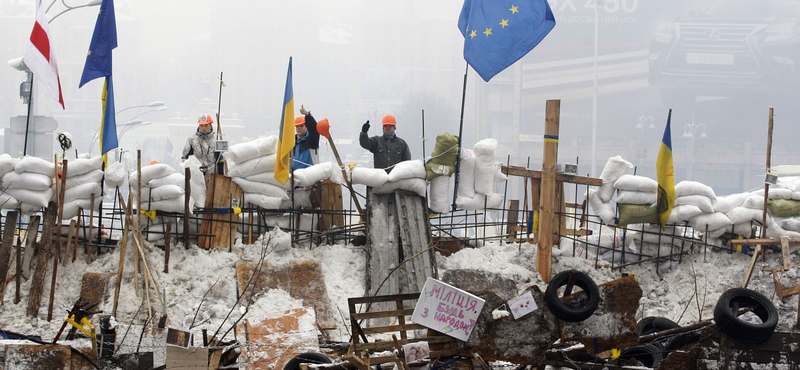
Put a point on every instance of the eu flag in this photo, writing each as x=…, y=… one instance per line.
x=666, y=175
x=98, y=64
x=286, y=137
x=497, y=33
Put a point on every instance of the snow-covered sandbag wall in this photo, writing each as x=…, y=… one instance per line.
x=31, y=183
x=406, y=175
x=486, y=172
x=7, y=164
x=79, y=195
x=163, y=189
x=251, y=165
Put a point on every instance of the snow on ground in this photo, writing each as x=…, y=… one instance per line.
x=207, y=279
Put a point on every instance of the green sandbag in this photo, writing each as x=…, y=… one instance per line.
x=784, y=207
x=637, y=214
x=443, y=158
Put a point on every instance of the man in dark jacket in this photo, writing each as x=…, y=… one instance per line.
x=306, y=140
x=388, y=149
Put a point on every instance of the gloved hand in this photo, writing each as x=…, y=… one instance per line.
x=365, y=127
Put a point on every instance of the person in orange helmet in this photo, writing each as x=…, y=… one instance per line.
x=387, y=149
x=306, y=147
x=202, y=144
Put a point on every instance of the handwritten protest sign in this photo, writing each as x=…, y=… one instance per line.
x=522, y=305
x=447, y=309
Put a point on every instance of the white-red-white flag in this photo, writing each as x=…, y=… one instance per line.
x=41, y=59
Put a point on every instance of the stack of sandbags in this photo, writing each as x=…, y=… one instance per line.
x=197, y=182
x=82, y=186
x=636, y=199
x=692, y=199
x=486, y=172
x=31, y=183
x=115, y=175
x=600, y=198
x=7, y=164
x=439, y=168
x=406, y=175
x=251, y=165
x=372, y=177
x=163, y=189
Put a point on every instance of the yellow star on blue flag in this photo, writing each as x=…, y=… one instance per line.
x=490, y=49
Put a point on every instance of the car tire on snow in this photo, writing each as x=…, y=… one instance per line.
x=649, y=354
x=564, y=311
x=306, y=358
x=739, y=329
x=654, y=324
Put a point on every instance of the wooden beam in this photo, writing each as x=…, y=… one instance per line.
x=764, y=241
x=561, y=177
x=547, y=196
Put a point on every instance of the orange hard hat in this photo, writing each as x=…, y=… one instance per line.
x=389, y=120
x=205, y=119
x=300, y=120
x=154, y=162
x=324, y=127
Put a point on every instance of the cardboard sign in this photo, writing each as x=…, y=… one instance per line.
x=447, y=309
x=522, y=305
x=178, y=337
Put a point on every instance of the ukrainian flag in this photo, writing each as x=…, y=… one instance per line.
x=286, y=137
x=666, y=175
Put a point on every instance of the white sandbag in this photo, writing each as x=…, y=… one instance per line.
x=198, y=181
x=786, y=170
x=38, y=198
x=466, y=174
x=269, y=178
x=170, y=205
x=636, y=197
x=252, y=166
x=373, y=177
x=791, y=182
x=754, y=202
x=775, y=193
x=701, y=201
x=744, y=215
x=499, y=176
x=262, y=201
x=709, y=221
x=7, y=201
x=35, y=164
x=637, y=183
x=73, y=207
x=604, y=210
x=613, y=170
x=82, y=166
x=177, y=179
x=774, y=230
x=260, y=147
x=410, y=169
x=415, y=185
x=90, y=177
x=337, y=177
x=687, y=187
x=26, y=180
x=7, y=164
x=729, y=202
x=83, y=191
x=791, y=223
x=150, y=172
x=260, y=188
x=164, y=192
x=308, y=176
x=480, y=201
x=28, y=209
x=439, y=196
x=682, y=213
x=115, y=175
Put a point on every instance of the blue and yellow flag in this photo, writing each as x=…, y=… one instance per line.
x=98, y=64
x=286, y=136
x=666, y=175
x=497, y=33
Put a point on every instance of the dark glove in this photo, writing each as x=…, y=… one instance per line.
x=365, y=127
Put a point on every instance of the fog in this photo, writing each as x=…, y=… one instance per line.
x=616, y=76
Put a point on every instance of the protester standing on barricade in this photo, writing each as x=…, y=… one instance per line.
x=202, y=144
x=387, y=149
x=306, y=148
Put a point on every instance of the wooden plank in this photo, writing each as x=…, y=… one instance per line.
x=787, y=259
x=560, y=177
x=30, y=246
x=764, y=241
x=42, y=259
x=547, y=195
x=512, y=222
x=331, y=201
x=412, y=217
x=749, y=272
x=5, y=249
x=382, y=244
x=222, y=192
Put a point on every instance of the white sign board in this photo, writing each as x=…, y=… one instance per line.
x=447, y=309
x=522, y=305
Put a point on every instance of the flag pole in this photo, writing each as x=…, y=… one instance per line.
x=28, y=120
x=460, y=134
x=219, y=126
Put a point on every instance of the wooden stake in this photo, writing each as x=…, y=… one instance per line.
x=75, y=237
x=548, y=189
x=30, y=246
x=19, y=272
x=187, y=175
x=69, y=242
x=766, y=185
x=42, y=259
x=57, y=255
x=89, y=249
x=167, y=237
x=5, y=249
x=121, y=255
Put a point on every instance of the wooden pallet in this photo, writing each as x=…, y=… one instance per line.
x=218, y=230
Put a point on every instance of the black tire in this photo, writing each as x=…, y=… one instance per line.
x=565, y=312
x=654, y=324
x=649, y=354
x=306, y=358
x=742, y=330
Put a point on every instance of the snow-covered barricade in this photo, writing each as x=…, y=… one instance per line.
x=30, y=183
x=479, y=171
x=251, y=165
x=84, y=178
